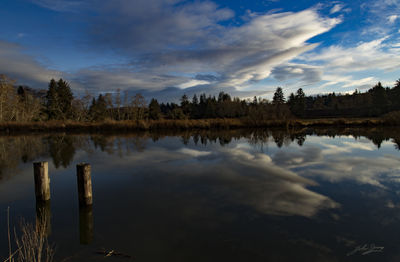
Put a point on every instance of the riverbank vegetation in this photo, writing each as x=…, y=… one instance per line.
x=32, y=245
x=23, y=108
x=181, y=124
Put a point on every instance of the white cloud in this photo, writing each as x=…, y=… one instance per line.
x=392, y=18
x=340, y=64
x=239, y=55
x=239, y=176
x=168, y=42
x=308, y=74
x=193, y=153
x=336, y=8
x=334, y=149
x=358, y=169
x=358, y=145
x=364, y=56
x=338, y=162
x=192, y=83
x=368, y=81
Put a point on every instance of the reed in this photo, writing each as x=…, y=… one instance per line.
x=32, y=245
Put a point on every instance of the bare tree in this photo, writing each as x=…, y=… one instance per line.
x=8, y=99
x=138, y=105
x=118, y=103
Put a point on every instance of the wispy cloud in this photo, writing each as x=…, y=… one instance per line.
x=189, y=39
x=339, y=64
x=336, y=8
x=22, y=67
x=307, y=74
x=171, y=43
x=184, y=46
x=364, y=56
x=60, y=5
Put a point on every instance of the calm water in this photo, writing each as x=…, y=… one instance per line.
x=305, y=195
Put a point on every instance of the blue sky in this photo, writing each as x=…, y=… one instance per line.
x=164, y=48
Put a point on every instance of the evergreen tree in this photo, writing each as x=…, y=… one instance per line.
x=299, y=103
x=98, y=108
x=59, y=100
x=65, y=98
x=194, y=111
x=185, y=105
x=224, y=97
x=52, y=107
x=395, y=95
x=154, y=109
x=201, y=109
x=278, y=98
x=291, y=101
x=379, y=99
x=282, y=110
x=255, y=101
x=195, y=100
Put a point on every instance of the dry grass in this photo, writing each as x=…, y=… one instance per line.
x=338, y=122
x=187, y=124
x=32, y=245
x=392, y=118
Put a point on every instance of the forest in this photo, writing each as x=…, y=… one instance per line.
x=57, y=102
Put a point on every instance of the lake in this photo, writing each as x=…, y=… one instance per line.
x=238, y=195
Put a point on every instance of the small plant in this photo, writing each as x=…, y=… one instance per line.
x=32, y=245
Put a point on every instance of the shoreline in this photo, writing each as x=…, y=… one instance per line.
x=189, y=124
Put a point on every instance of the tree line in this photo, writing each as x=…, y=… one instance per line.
x=23, y=104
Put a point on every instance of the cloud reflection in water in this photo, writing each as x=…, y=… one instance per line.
x=351, y=161
x=234, y=175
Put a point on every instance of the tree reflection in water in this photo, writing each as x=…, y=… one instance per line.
x=61, y=148
x=226, y=194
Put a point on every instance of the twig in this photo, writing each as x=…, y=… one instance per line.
x=12, y=255
x=8, y=232
x=110, y=253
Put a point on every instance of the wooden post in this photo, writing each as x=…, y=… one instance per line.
x=83, y=171
x=42, y=181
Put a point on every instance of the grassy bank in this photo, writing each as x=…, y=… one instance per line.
x=148, y=125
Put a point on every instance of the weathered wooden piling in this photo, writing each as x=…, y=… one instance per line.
x=42, y=181
x=83, y=171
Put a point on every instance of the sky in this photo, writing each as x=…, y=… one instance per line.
x=167, y=48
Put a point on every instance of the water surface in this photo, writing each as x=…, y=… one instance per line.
x=241, y=195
